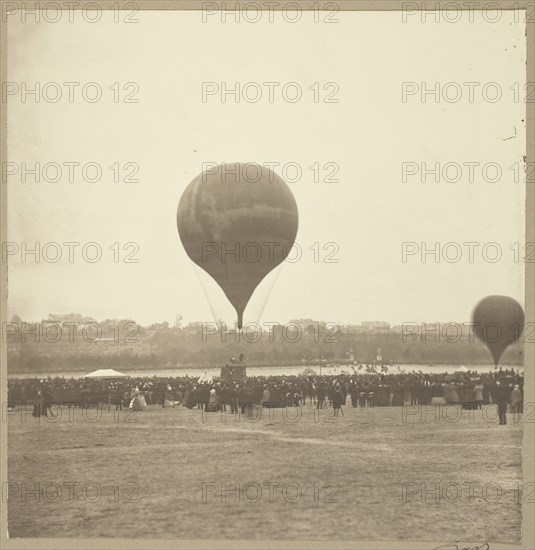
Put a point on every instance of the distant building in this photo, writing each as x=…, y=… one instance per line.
x=70, y=318
x=376, y=326
x=303, y=323
x=353, y=329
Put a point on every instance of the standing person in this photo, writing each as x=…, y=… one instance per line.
x=22, y=395
x=221, y=392
x=516, y=400
x=142, y=400
x=321, y=396
x=381, y=397
x=363, y=398
x=486, y=393
x=213, y=401
x=169, y=400
x=337, y=399
x=38, y=407
x=203, y=396
x=233, y=397
x=266, y=396
x=242, y=398
x=313, y=393
x=330, y=394
x=398, y=395
x=47, y=402
x=354, y=395
x=478, y=394
x=371, y=398
x=187, y=400
x=501, y=396
x=451, y=394
x=414, y=392
x=135, y=401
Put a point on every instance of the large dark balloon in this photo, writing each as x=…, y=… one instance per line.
x=237, y=222
x=498, y=322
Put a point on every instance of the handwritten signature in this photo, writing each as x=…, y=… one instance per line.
x=455, y=546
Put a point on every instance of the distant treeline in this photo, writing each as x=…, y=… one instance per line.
x=161, y=346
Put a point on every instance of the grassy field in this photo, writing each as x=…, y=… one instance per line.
x=162, y=473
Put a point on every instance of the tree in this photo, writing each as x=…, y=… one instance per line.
x=16, y=320
x=178, y=321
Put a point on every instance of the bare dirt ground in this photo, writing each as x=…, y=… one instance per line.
x=370, y=474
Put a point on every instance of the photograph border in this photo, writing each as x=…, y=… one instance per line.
x=528, y=450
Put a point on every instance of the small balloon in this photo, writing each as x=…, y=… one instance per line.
x=498, y=322
x=237, y=222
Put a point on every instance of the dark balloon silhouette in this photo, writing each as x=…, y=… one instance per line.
x=498, y=322
x=237, y=222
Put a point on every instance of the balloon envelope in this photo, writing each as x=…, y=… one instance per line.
x=237, y=222
x=498, y=322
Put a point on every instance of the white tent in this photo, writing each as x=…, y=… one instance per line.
x=462, y=368
x=106, y=373
x=205, y=378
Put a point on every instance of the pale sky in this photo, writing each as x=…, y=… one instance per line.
x=368, y=134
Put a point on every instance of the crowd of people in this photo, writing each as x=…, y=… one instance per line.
x=504, y=387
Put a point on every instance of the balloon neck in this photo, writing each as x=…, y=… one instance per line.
x=240, y=319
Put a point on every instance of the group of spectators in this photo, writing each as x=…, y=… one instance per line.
x=362, y=390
